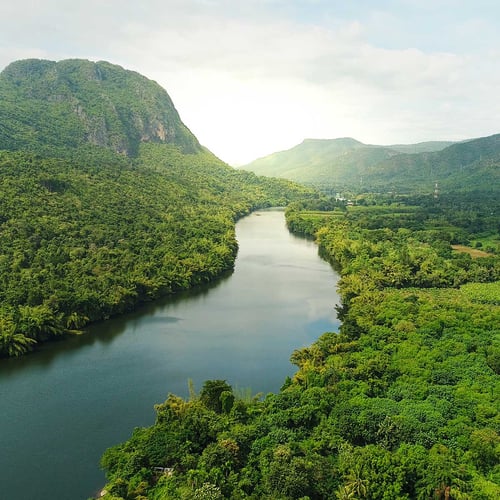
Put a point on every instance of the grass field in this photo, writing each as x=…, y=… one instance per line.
x=473, y=252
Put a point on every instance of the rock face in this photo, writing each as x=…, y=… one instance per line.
x=69, y=103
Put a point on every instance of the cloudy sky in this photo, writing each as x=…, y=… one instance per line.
x=251, y=77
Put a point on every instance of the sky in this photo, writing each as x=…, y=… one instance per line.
x=252, y=77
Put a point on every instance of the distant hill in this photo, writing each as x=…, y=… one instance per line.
x=340, y=162
x=467, y=166
x=52, y=106
x=421, y=147
x=349, y=164
x=303, y=158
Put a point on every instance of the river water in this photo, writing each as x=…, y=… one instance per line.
x=62, y=406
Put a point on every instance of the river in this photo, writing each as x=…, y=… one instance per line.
x=62, y=406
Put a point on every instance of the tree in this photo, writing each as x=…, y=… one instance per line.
x=211, y=394
x=12, y=343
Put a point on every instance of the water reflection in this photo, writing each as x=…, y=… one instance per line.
x=105, y=332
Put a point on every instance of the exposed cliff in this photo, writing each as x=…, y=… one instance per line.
x=56, y=105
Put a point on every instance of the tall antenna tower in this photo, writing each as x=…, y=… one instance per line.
x=436, y=191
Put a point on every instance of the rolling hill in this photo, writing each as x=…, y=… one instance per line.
x=467, y=166
x=349, y=164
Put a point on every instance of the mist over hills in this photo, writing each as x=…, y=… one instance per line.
x=346, y=163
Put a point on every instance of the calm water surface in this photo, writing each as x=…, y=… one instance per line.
x=63, y=406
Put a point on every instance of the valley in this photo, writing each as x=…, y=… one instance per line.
x=110, y=206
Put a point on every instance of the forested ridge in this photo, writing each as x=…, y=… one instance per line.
x=402, y=403
x=336, y=165
x=106, y=199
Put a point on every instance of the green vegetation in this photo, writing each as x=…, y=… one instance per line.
x=55, y=107
x=463, y=167
x=92, y=237
x=401, y=404
x=487, y=293
x=341, y=165
x=106, y=199
x=331, y=164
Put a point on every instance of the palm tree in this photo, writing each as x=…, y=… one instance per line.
x=75, y=322
x=12, y=343
x=40, y=320
x=355, y=487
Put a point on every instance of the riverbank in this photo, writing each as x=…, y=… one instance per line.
x=103, y=384
x=401, y=403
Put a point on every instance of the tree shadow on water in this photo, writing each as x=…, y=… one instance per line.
x=105, y=331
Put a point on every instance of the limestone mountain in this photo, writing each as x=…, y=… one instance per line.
x=52, y=106
x=106, y=199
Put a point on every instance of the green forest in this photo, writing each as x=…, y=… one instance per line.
x=402, y=403
x=91, y=236
x=338, y=165
x=107, y=200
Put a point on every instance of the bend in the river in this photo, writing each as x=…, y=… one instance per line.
x=63, y=406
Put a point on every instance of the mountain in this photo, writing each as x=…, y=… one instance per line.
x=331, y=162
x=349, y=164
x=310, y=154
x=106, y=199
x=47, y=105
x=472, y=165
x=421, y=147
